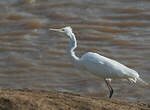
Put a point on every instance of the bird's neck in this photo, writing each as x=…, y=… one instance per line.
x=70, y=49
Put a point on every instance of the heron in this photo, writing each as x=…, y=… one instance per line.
x=99, y=65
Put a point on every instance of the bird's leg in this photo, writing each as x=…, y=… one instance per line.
x=110, y=88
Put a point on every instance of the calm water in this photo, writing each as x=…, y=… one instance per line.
x=33, y=57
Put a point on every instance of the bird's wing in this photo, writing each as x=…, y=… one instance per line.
x=96, y=61
x=96, y=64
x=94, y=57
x=106, y=67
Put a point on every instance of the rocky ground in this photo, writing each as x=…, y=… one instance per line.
x=44, y=100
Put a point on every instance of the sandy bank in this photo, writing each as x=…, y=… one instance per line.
x=42, y=100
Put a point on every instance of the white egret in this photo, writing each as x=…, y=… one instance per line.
x=99, y=65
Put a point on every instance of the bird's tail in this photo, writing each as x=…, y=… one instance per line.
x=143, y=83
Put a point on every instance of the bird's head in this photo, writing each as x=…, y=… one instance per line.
x=65, y=30
x=68, y=31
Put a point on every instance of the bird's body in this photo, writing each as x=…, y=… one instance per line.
x=99, y=65
x=106, y=68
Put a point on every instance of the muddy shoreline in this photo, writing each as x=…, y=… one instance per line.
x=53, y=100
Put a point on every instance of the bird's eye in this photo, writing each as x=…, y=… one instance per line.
x=63, y=30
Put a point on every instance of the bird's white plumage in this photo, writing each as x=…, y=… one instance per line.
x=106, y=68
x=99, y=65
